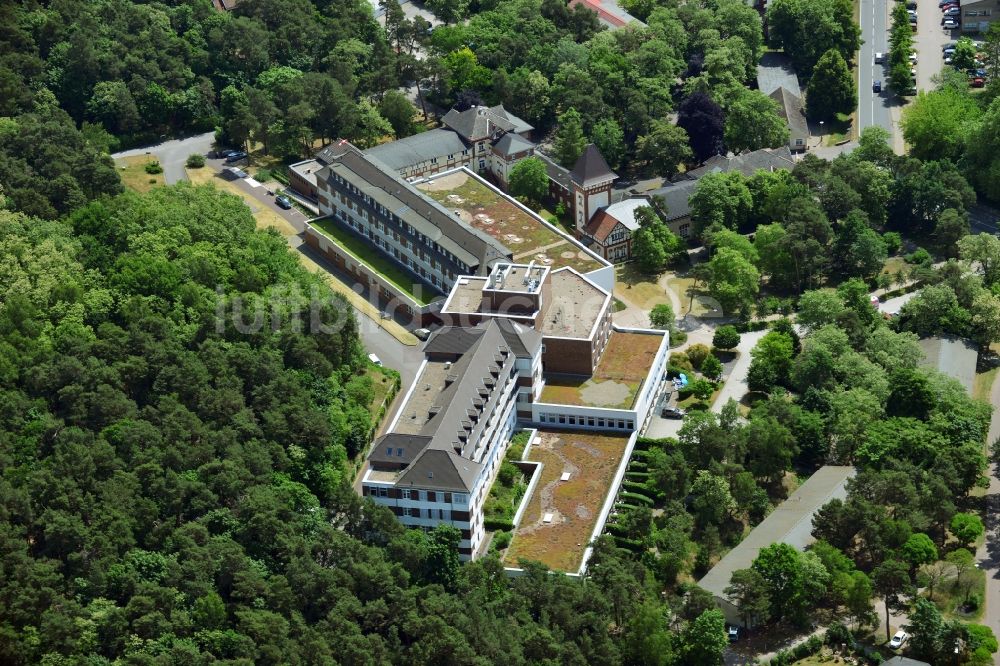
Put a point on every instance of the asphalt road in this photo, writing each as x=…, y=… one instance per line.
x=873, y=108
x=174, y=153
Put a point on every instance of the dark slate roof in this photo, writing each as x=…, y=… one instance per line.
x=768, y=159
x=676, y=196
x=404, y=448
x=418, y=148
x=790, y=108
x=511, y=144
x=441, y=470
x=520, y=126
x=384, y=185
x=556, y=172
x=591, y=168
x=522, y=340
x=481, y=122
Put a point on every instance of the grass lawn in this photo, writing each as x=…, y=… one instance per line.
x=684, y=288
x=949, y=597
x=591, y=459
x=637, y=288
x=369, y=255
x=382, y=385
x=134, y=176
x=493, y=214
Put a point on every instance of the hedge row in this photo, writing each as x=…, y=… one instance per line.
x=637, y=465
x=639, y=488
x=633, y=545
x=494, y=524
x=637, y=497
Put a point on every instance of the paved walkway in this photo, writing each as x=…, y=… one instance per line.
x=736, y=386
x=988, y=554
x=173, y=154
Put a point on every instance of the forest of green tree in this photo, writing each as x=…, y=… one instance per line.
x=175, y=489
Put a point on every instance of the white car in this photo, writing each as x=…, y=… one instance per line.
x=879, y=58
x=898, y=639
x=913, y=57
x=950, y=23
x=375, y=359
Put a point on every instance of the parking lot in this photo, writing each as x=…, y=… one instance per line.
x=928, y=41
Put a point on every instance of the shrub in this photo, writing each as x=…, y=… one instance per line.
x=681, y=361
x=711, y=367
x=263, y=175
x=152, y=181
x=918, y=256
x=500, y=540
x=633, y=545
x=974, y=603
x=697, y=353
x=678, y=337
x=893, y=241
x=153, y=168
x=195, y=161
x=726, y=337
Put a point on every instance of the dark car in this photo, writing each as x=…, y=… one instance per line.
x=672, y=413
x=236, y=157
x=877, y=86
x=283, y=202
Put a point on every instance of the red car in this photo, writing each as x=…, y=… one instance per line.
x=977, y=82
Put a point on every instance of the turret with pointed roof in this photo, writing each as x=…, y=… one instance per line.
x=591, y=169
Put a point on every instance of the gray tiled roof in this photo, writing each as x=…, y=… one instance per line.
x=479, y=122
x=676, y=196
x=418, y=148
x=378, y=181
x=953, y=356
x=790, y=522
x=775, y=71
x=768, y=159
x=554, y=170
x=404, y=447
x=790, y=108
x=511, y=144
x=440, y=465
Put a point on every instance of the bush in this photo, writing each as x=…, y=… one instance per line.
x=893, y=241
x=681, y=361
x=678, y=337
x=697, y=353
x=263, y=175
x=153, y=168
x=711, y=367
x=974, y=603
x=918, y=256
x=500, y=540
x=195, y=161
x=637, y=487
x=726, y=337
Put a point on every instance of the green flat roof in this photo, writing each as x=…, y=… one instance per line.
x=373, y=258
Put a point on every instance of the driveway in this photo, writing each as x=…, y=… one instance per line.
x=874, y=108
x=736, y=386
x=928, y=42
x=893, y=305
x=174, y=153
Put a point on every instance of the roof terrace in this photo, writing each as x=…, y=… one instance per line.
x=561, y=515
x=491, y=212
x=615, y=382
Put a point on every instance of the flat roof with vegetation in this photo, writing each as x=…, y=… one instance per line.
x=365, y=253
x=493, y=213
x=617, y=379
x=575, y=505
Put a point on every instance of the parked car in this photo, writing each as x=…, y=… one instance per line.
x=950, y=23
x=672, y=413
x=733, y=632
x=879, y=58
x=911, y=4
x=942, y=3
x=946, y=8
x=375, y=359
x=913, y=57
x=283, y=202
x=898, y=639
x=953, y=11
x=422, y=333
x=236, y=156
x=977, y=82
x=877, y=87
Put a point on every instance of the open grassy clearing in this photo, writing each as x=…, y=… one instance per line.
x=984, y=384
x=637, y=288
x=133, y=173
x=591, y=459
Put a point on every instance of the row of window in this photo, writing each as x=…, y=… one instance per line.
x=590, y=421
x=979, y=12
x=421, y=495
x=432, y=514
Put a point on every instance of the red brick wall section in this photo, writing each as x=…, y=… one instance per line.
x=568, y=356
